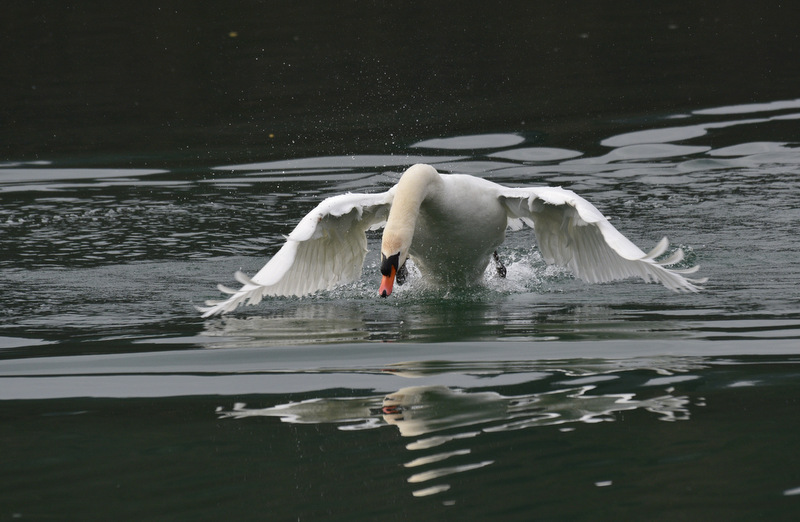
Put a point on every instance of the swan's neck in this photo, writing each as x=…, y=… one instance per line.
x=412, y=189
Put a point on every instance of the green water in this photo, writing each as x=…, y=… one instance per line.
x=148, y=152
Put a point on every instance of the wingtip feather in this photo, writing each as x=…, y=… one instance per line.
x=659, y=249
x=243, y=278
x=673, y=259
x=226, y=290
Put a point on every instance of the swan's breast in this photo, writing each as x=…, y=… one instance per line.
x=459, y=225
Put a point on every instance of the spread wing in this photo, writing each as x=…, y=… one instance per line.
x=572, y=233
x=326, y=249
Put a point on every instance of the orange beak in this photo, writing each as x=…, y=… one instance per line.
x=387, y=283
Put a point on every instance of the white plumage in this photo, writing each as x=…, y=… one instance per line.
x=449, y=225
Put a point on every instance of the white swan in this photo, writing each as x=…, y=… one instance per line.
x=450, y=225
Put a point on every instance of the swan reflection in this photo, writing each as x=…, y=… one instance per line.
x=419, y=410
x=435, y=416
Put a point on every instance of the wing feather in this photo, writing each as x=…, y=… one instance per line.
x=572, y=233
x=326, y=249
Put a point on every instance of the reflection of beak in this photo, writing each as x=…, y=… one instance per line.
x=393, y=409
x=387, y=283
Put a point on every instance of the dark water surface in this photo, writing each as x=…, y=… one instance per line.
x=147, y=153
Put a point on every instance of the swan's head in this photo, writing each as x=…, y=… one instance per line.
x=394, y=252
x=390, y=265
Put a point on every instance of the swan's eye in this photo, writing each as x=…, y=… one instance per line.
x=388, y=262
